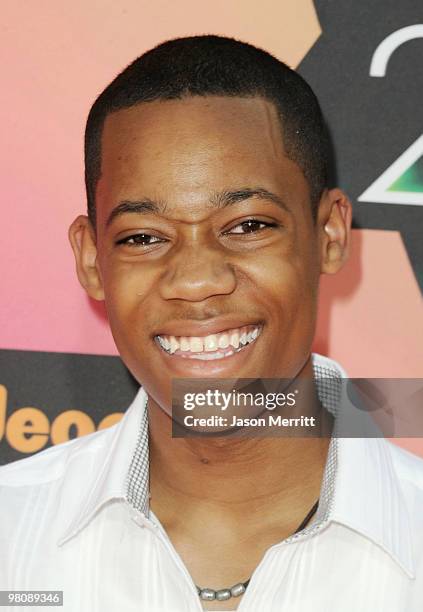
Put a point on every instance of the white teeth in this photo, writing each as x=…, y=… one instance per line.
x=185, y=344
x=174, y=344
x=210, y=343
x=209, y=347
x=196, y=345
x=234, y=339
x=223, y=341
x=163, y=343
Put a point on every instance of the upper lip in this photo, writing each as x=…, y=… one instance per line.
x=204, y=328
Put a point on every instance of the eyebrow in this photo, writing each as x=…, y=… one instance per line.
x=218, y=200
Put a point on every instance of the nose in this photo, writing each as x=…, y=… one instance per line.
x=196, y=273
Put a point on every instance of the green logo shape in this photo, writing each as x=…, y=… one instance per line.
x=411, y=180
x=402, y=181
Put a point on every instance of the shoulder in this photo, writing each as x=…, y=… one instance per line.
x=54, y=462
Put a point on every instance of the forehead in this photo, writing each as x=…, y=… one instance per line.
x=183, y=149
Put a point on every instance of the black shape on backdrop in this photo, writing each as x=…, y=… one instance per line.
x=55, y=382
x=372, y=120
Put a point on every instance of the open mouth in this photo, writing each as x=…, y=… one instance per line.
x=214, y=346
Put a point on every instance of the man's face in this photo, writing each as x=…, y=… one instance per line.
x=217, y=273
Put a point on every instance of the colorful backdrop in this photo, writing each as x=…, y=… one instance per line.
x=59, y=373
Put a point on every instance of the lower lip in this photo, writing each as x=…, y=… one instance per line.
x=186, y=365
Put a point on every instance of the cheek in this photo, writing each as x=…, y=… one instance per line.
x=127, y=288
x=287, y=284
x=290, y=290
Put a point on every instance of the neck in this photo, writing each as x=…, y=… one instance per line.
x=233, y=479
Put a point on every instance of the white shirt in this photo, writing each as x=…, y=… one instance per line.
x=75, y=518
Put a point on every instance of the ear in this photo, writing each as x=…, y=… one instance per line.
x=83, y=241
x=334, y=220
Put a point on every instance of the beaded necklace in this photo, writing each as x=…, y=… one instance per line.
x=239, y=588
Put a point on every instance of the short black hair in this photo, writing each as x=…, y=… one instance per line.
x=215, y=65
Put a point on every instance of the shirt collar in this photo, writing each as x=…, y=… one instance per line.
x=369, y=499
x=119, y=452
x=360, y=487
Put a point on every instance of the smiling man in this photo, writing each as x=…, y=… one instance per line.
x=210, y=221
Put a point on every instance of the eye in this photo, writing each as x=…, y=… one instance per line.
x=250, y=226
x=139, y=239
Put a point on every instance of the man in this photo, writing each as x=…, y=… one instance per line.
x=210, y=220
